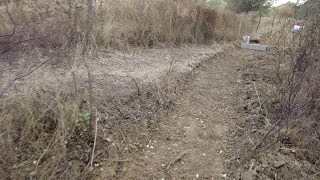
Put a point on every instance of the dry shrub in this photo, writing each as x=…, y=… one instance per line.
x=296, y=123
x=144, y=22
x=35, y=22
x=117, y=23
x=299, y=92
x=40, y=137
x=286, y=11
x=228, y=25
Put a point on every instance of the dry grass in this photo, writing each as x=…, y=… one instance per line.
x=45, y=132
x=118, y=23
x=291, y=103
x=298, y=90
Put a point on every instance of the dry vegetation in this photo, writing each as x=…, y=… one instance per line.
x=120, y=23
x=65, y=129
x=51, y=132
x=280, y=137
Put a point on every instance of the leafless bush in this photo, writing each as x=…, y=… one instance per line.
x=296, y=108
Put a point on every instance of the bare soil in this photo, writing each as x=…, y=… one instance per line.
x=193, y=141
x=202, y=136
x=112, y=71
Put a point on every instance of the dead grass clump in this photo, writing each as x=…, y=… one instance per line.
x=42, y=137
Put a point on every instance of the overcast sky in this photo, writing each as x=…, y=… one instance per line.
x=284, y=1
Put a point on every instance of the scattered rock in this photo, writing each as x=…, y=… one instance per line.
x=279, y=164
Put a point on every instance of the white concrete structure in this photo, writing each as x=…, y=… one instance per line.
x=257, y=47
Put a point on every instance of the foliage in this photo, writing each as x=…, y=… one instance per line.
x=249, y=5
x=84, y=117
x=286, y=10
x=220, y=4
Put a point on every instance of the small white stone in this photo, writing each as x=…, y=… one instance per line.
x=204, y=154
x=151, y=147
x=147, y=145
x=197, y=175
x=224, y=175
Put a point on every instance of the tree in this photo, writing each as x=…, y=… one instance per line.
x=218, y=4
x=249, y=5
x=286, y=10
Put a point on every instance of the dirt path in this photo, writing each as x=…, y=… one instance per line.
x=192, y=142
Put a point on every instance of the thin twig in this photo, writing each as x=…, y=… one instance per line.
x=260, y=104
x=30, y=72
x=269, y=132
x=95, y=139
x=171, y=163
x=171, y=63
x=138, y=89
